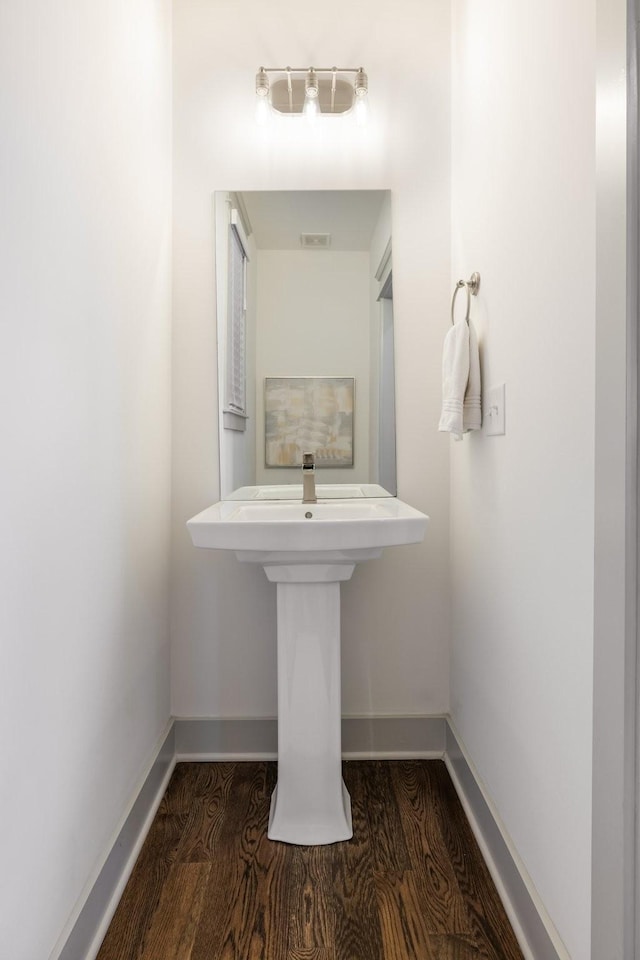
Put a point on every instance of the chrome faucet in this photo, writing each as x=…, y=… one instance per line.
x=308, y=479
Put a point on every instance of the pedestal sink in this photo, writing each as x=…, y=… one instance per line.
x=307, y=550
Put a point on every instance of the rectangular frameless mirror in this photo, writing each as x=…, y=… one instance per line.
x=305, y=342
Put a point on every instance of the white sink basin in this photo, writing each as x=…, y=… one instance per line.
x=308, y=550
x=324, y=491
x=319, y=530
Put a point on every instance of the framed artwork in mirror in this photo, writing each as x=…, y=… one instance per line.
x=309, y=415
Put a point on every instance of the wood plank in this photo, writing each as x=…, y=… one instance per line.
x=310, y=907
x=180, y=789
x=440, y=898
x=357, y=933
x=488, y=922
x=402, y=923
x=266, y=932
x=248, y=792
x=385, y=822
x=246, y=900
x=143, y=891
x=313, y=953
x=176, y=920
x=453, y=947
x=211, y=788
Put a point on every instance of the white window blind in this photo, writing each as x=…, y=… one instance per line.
x=236, y=352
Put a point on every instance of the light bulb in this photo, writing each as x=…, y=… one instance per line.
x=262, y=96
x=361, y=98
x=361, y=111
x=311, y=107
x=263, y=110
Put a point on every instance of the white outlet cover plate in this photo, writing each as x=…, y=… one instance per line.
x=494, y=414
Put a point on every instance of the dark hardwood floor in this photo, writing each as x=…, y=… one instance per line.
x=410, y=885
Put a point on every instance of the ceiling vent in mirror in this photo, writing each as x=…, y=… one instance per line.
x=315, y=241
x=311, y=92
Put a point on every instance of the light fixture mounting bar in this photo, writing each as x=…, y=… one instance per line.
x=306, y=69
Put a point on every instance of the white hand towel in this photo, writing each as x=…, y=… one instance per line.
x=472, y=408
x=455, y=376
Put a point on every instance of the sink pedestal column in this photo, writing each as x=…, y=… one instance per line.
x=310, y=804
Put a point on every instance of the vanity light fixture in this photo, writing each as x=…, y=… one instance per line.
x=309, y=91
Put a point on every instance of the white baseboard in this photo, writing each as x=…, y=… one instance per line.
x=255, y=738
x=393, y=738
x=226, y=738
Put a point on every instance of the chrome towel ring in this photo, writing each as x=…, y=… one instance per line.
x=472, y=286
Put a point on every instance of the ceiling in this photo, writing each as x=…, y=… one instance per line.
x=279, y=217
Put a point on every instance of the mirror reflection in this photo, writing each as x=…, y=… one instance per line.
x=305, y=342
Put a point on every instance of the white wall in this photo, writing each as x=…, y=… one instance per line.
x=395, y=610
x=313, y=321
x=85, y=417
x=522, y=521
